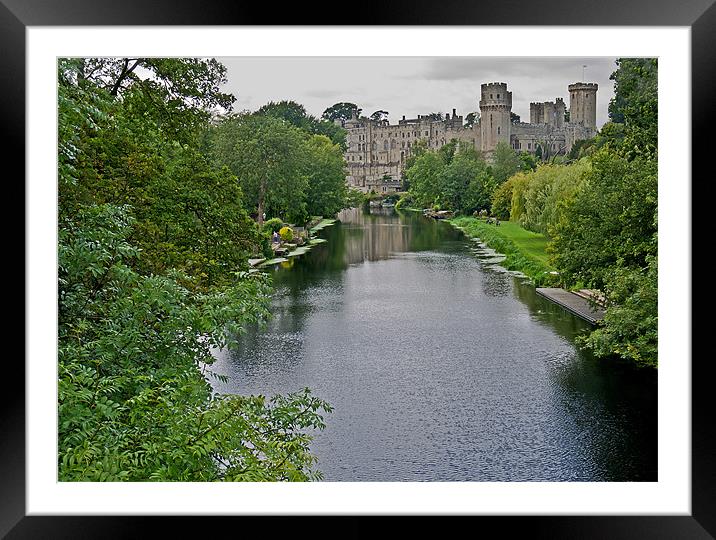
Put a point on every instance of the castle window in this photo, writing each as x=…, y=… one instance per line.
x=490, y=96
x=498, y=130
x=529, y=146
x=498, y=96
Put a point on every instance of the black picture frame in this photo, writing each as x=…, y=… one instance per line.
x=699, y=15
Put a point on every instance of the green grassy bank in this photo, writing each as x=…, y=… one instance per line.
x=526, y=251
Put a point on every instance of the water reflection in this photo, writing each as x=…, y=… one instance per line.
x=441, y=366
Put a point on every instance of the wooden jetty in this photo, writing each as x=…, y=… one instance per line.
x=579, y=304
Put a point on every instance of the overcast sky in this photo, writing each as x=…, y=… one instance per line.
x=411, y=85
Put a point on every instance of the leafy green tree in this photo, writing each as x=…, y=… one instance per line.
x=179, y=94
x=378, y=116
x=472, y=118
x=528, y=162
x=341, y=111
x=188, y=215
x=268, y=157
x=501, y=203
x=132, y=354
x=466, y=185
x=635, y=103
x=515, y=118
x=295, y=114
x=548, y=191
x=611, y=221
x=424, y=177
x=506, y=162
x=327, y=188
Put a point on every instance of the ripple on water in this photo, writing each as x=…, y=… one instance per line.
x=440, y=366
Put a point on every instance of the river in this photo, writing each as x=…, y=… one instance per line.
x=441, y=365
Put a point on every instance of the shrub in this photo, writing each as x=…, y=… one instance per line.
x=272, y=225
x=286, y=234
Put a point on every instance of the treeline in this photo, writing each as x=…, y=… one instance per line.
x=155, y=226
x=597, y=205
x=457, y=177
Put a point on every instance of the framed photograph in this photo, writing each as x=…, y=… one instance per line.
x=554, y=61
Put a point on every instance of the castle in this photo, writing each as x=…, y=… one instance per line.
x=377, y=151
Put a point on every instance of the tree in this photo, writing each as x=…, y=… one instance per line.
x=133, y=403
x=635, y=102
x=514, y=118
x=327, y=189
x=187, y=214
x=472, y=118
x=466, y=185
x=506, y=162
x=423, y=177
x=152, y=238
x=379, y=116
x=180, y=94
x=435, y=116
x=611, y=221
x=268, y=157
x=341, y=111
x=296, y=115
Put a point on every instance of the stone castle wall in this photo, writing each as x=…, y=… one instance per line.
x=377, y=151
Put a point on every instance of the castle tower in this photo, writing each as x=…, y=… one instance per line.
x=583, y=104
x=559, y=109
x=495, y=109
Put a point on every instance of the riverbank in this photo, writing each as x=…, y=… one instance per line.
x=298, y=250
x=525, y=251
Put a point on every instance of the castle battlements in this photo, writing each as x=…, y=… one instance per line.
x=377, y=150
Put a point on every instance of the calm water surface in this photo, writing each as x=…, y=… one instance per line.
x=441, y=366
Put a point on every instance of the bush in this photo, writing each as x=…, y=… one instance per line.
x=286, y=234
x=406, y=200
x=272, y=225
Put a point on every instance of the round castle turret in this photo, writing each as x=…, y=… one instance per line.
x=583, y=104
x=495, y=110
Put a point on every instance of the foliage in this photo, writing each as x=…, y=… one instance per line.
x=152, y=238
x=548, y=191
x=354, y=198
x=502, y=200
x=272, y=225
x=327, y=190
x=610, y=222
x=528, y=162
x=133, y=404
x=268, y=155
x=515, y=118
x=455, y=177
x=341, y=111
x=472, y=118
x=630, y=325
x=180, y=94
x=406, y=201
x=188, y=213
x=607, y=236
x=635, y=103
x=506, y=162
x=423, y=177
x=378, y=116
x=296, y=115
x=286, y=234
